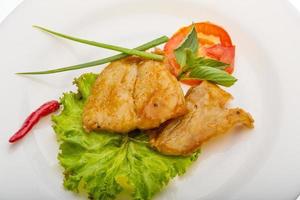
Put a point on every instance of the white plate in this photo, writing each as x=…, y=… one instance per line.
x=259, y=164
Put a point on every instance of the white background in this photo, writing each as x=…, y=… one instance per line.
x=6, y=7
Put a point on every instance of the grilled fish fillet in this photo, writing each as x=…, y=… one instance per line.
x=111, y=105
x=207, y=116
x=157, y=95
x=133, y=93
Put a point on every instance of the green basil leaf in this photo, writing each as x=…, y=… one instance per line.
x=213, y=74
x=190, y=42
x=210, y=63
x=193, y=61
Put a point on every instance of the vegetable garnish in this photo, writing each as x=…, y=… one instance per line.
x=143, y=47
x=102, y=164
x=214, y=43
x=34, y=118
x=135, y=52
x=200, y=67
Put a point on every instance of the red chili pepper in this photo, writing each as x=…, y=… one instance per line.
x=34, y=118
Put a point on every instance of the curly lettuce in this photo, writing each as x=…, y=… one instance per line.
x=103, y=164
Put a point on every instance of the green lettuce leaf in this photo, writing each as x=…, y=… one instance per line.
x=102, y=164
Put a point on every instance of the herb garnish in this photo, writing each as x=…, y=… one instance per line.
x=139, y=49
x=200, y=67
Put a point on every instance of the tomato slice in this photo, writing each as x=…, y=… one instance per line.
x=207, y=28
x=223, y=54
x=214, y=41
